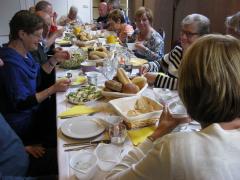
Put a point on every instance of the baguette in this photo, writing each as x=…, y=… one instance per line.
x=122, y=76
x=100, y=54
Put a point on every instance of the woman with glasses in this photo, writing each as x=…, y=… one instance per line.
x=193, y=26
x=149, y=43
x=19, y=83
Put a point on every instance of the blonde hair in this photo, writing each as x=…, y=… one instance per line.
x=143, y=10
x=209, y=79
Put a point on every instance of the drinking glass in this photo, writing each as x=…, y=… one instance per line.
x=117, y=133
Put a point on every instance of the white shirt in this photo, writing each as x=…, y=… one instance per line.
x=210, y=154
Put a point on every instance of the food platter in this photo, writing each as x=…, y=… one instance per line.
x=83, y=95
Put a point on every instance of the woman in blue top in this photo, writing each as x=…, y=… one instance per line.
x=18, y=77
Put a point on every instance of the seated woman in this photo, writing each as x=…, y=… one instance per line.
x=209, y=88
x=149, y=43
x=19, y=77
x=232, y=24
x=193, y=26
x=117, y=23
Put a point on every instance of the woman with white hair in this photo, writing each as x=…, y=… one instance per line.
x=72, y=17
x=193, y=26
x=232, y=24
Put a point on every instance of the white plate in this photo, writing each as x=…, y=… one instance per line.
x=119, y=95
x=82, y=127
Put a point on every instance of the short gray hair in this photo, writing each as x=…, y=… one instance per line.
x=233, y=22
x=202, y=22
x=73, y=9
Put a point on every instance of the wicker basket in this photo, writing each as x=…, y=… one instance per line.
x=140, y=123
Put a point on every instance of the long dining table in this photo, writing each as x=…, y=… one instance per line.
x=65, y=172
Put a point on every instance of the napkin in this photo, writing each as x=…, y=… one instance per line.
x=78, y=80
x=78, y=111
x=137, y=136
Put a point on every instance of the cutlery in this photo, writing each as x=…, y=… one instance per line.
x=80, y=148
x=86, y=143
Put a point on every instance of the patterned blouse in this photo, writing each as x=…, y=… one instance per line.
x=154, y=47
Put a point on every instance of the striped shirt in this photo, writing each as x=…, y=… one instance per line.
x=173, y=60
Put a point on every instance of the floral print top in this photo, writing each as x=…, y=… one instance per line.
x=154, y=47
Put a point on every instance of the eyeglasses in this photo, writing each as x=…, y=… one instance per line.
x=37, y=35
x=188, y=34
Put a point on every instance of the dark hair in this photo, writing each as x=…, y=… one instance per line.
x=41, y=5
x=116, y=15
x=26, y=21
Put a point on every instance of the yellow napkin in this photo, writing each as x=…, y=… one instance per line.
x=78, y=80
x=78, y=111
x=137, y=136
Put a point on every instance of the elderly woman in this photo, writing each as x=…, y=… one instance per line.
x=193, y=26
x=233, y=25
x=149, y=43
x=19, y=76
x=209, y=88
x=117, y=23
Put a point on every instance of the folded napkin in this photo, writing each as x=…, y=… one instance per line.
x=78, y=111
x=137, y=136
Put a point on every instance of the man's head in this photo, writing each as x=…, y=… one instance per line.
x=193, y=26
x=113, y=4
x=73, y=13
x=47, y=22
x=103, y=9
x=45, y=7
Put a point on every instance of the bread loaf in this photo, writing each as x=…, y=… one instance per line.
x=99, y=53
x=93, y=57
x=113, y=85
x=130, y=88
x=122, y=76
x=140, y=81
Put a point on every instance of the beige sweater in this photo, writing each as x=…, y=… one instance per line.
x=211, y=154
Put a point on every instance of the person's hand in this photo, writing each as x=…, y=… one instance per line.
x=150, y=78
x=36, y=151
x=167, y=123
x=140, y=46
x=57, y=49
x=62, y=85
x=143, y=69
x=61, y=56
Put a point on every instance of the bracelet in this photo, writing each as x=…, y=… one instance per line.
x=151, y=138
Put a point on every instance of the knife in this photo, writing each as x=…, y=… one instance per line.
x=86, y=142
